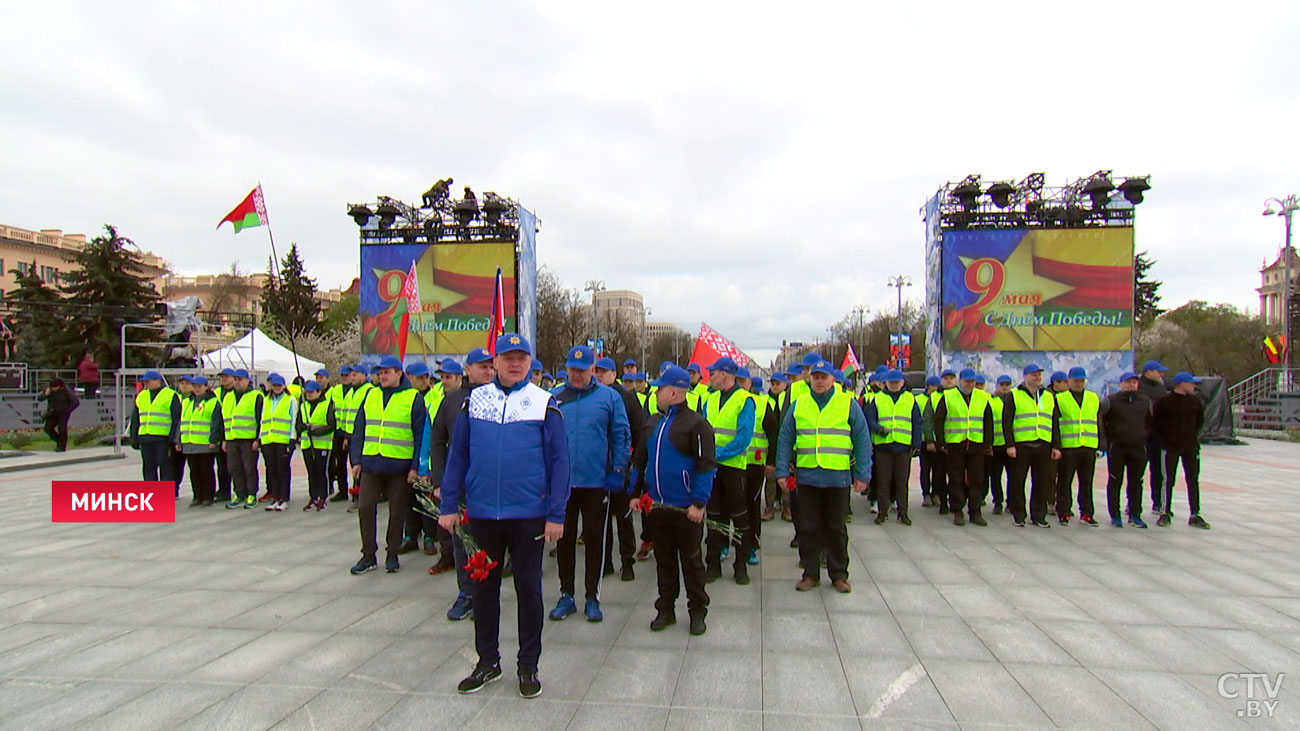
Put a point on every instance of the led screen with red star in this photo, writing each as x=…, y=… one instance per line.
x=1040, y=289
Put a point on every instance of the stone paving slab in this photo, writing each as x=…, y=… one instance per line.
x=249, y=620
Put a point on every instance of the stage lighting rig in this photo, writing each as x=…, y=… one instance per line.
x=1098, y=189
x=1000, y=193
x=1133, y=188
x=967, y=192
x=1030, y=203
x=387, y=213
x=361, y=214
x=438, y=218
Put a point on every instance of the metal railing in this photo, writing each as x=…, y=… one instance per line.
x=1265, y=384
x=1269, y=399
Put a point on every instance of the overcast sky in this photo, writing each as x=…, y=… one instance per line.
x=755, y=166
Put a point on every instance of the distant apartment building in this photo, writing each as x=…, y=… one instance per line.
x=50, y=252
x=1270, y=286
x=232, y=294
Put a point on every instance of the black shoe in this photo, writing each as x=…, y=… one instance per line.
x=339, y=497
x=529, y=685
x=882, y=516
x=391, y=565
x=410, y=544
x=195, y=503
x=712, y=573
x=628, y=573
x=697, y=624
x=1197, y=521
x=1020, y=522
x=479, y=678
x=794, y=542
x=1041, y=523
x=609, y=570
x=904, y=519
x=997, y=508
x=943, y=510
x=662, y=620
x=742, y=573
x=978, y=519
x=364, y=565
x=958, y=518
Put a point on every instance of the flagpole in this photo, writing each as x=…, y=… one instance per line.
x=275, y=266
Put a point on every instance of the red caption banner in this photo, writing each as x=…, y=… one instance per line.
x=99, y=501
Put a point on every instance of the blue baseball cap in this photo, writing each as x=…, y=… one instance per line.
x=874, y=377
x=199, y=380
x=227, y=371
x=606, y=364
x=580, y=357
x=417, y=369
x=674, y=377
x=151, y=376
x=311, y=386
x=1078, y=372
x=452, y=366
x=882, y=369
x=810, y=359
x=724, y=364
x=1154, y=365
x=390, y=361
x=894, y=375
x=275, y=379
x=979, y=377
x=512, y=342
x=743, y=372
x=345, y=370
x=757, y=384
x=932, y=381
x=322, y=371
x=948, y=372
x=780, y=377
x=361, y=368
x=537, y=365
x=1185, y=377
x=240, y=373
x=1128, y=376
x=839, y=376
x=629, y=362
x=1005, y=379
x=666, y=365
x=1032, y=368
x=693, y=367
x=637, y=376
x=186, y=378
x=478, y=355
x=967, y=374
x=1057, y=376
x=794, y=370
x=822, y=366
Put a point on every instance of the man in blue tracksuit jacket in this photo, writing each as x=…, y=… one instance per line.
x=509, y=459
x=599, y=438
x=676, y=467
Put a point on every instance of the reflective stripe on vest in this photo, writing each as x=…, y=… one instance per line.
x=1079, y=425
x=758, y=444
x=355, y=398
x=277, y=425
x=1033, y=419
x=896, y=416
x=388, y=427
x=196, y=425
x=316, y=413
x=822, y=437
x=240, y=414
x=995, y=405
x=964, y=422
x=155, y=417
x=723, y=417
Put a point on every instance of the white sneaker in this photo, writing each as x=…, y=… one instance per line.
x=282, y=505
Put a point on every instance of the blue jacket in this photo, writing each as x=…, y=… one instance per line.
x=374, y=463
x=816, y=476
x=596, y=425
x=676, y=461
x=744, y=426
x=508, y=456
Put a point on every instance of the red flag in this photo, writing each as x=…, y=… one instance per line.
x=410, y=293
x=250, y=212
x=497, y=326
x=709, y=346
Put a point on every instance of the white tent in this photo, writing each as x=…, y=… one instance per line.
x=256, y=351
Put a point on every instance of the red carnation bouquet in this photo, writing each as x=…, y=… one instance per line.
x=479, y=564
x=728, y=531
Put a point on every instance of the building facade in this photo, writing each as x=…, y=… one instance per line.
x=232, y=294
x=1270, y=286
x=50, y=251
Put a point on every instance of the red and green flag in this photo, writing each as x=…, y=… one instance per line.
x=850, y=364
x=251, y=212
x=411, y=300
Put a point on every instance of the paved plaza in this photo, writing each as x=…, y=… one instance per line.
x=233, y=619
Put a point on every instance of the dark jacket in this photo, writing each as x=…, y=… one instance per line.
x=444, y=425
x=59, y=402
x=636, y=417
x=1124, y=419
x=1176, y=420
x=377, y=464
x=674, y=462
x=1153, y=390
x=331, y=418
x=172, y=437
x=941, y=415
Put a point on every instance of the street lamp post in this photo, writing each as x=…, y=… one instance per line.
x=1286, y=207
x=594, y=286
x=898, y=281
x=644, y=317
x=861, y=311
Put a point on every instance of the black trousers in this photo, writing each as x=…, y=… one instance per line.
x=1033, y=461
x=156, y=456
x=338, y=472
x=317, y=463
x=592, y=504
x=965, y=461
x=893, y=469
x=276, y=457
x=1121, y=459
x=822, y=511
x=620, y=522
x=1080, y=462
x=1156, y=461
x=223, y=475
x=925, y=473
x=242, y=460
x=677, y=543
x=937, y=463
x=203, y=482
x=398, y=491
x=728, y=503
x=56, y=427
x=1191, y=475
x=519, y=538
x=755, y=476
x=178, y=468
x=997, y=465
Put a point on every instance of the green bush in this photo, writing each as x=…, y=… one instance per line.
x=82, y=437
x=1294, y=433
x=19, y=439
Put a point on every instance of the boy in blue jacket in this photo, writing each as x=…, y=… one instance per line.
x=676, y=467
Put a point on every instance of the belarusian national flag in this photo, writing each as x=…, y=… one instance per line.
x=710, y=346
x=850, y=363
x=251, y=212
x=411, y=296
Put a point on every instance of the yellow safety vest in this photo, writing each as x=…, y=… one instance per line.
x=797, y=389
x=277, y=426
x=822, y=437
x=316, y=414
x=432, y=400
x=1033, y=419
x=722, y=417
x=964, y=422
x=896, y=416
x=995, y=405
x=155, y=417
x=355, y=398
x=388, y=428
x=295, y=391
x=1079, y=425
x=240, y=413
x=758, y=445
x=196, y=424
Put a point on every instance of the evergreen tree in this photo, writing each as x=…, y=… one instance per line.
x=106, y=289
x=39, y=322
x=289, y=300
x=1146, y=291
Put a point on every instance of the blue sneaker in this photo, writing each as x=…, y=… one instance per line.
x=1116, y=523
x=462, y=609
x=364, y=565
x=391, y=565
x=564, y=607
x=753, y=557
x=726, y=551
x=592, y=610
x=1136, y=522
